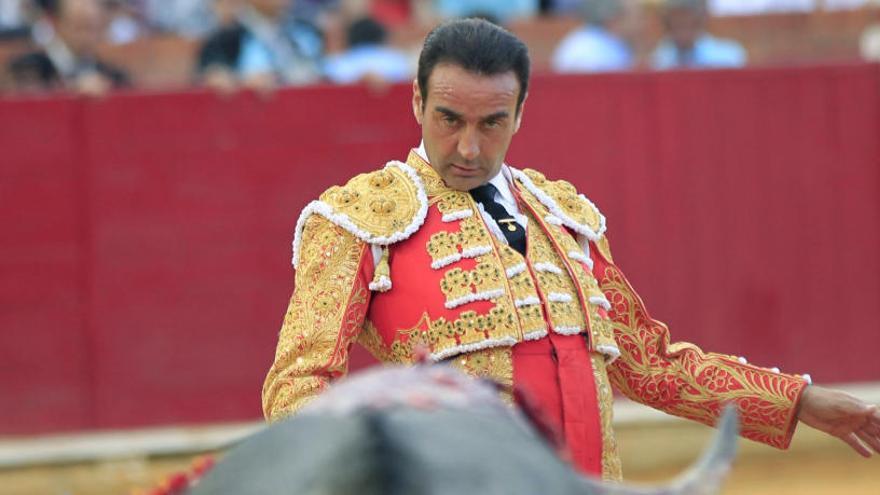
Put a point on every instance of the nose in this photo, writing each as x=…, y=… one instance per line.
x=469, y=144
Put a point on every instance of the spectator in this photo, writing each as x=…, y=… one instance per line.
x=368, y=58
x=260, y=50
x=687, y=44
x=68, y=58
x=188, y=18
x=598, y=45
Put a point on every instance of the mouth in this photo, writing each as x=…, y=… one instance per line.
x=463, y=171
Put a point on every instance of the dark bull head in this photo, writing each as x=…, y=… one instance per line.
x=424, y=430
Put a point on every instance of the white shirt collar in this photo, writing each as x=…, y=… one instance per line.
x=501, y=180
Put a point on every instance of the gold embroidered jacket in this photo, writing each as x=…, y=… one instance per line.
x=446, y=284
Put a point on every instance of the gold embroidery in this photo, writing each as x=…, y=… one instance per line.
x=486, y=276
x=381, y=203
x=565, y=315
x=604, y=249
x=509, y=257
x=483, y=283
x=688, y=382
x=473, y=234
x=523, y=286
x=452, y=202
x=370, y=340
x=611, y=468
x=443, y=248
x=567, y=198
x=494, y=364
x=456, y=284
x=434, y=185
x=532, y=318
x=325, y=314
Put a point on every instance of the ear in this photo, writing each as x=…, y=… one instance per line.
x=417, y=101
x=519, y=116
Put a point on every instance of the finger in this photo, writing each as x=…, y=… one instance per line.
x=872, y=441
x=875, y=415
x=856, y=445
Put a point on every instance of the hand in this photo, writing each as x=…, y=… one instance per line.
x=843, y=416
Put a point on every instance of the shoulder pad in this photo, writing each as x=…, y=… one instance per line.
x=562, y=199
x=380, y=207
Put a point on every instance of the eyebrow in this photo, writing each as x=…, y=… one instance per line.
x=452, y=113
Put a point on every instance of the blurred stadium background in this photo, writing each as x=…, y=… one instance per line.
x=149, y=187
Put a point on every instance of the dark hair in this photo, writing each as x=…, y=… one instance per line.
x=50, y=7
x=476, y=46
x=366, y=31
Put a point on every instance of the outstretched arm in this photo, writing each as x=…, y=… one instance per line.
x=682, y=380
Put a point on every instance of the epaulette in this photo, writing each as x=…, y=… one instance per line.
x=379, y=208
x=572, y=209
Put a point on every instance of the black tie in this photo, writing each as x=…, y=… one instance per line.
x=515, y=234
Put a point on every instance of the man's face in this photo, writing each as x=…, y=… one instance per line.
x=467, y=123
x=81, y=25
x=684, y=26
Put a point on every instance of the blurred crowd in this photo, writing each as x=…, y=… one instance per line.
x=264, y=44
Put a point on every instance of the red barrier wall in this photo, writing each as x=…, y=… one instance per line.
x=145, y=243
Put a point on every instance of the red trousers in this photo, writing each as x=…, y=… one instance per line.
x=556, y=372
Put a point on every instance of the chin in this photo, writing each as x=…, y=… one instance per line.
x=460, y=184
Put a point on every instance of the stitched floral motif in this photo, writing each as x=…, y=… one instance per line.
x=443, y=248
x=563, y=201
x=454, y=205
x=325, y=314
x=682, y=380
x=611, y=468
x=494, y=364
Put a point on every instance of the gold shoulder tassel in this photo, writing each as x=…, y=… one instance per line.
x=382, y=277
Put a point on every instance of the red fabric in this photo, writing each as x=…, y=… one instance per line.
x=145, y=241
x=556, y=372
x=415, y=280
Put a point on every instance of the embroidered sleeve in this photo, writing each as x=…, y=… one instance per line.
x=325, y=314
x=680, y=379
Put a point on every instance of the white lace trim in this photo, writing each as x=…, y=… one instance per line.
x=550, y=203
x=476, y=346
x=515, y=270
x=381, y=285
x=456, y=215
x=572, y=330
x=535, y=334
x=546, y=266
x=343, y=220
x=553, y=220
x=528, y=301
x=559, y=297
x=478, y=296
x=583, y=258
x=611, y=352
x=452, y=258
x=600, y=301
x=475, y=251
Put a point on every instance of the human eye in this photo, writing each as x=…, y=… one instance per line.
x=449, y=120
